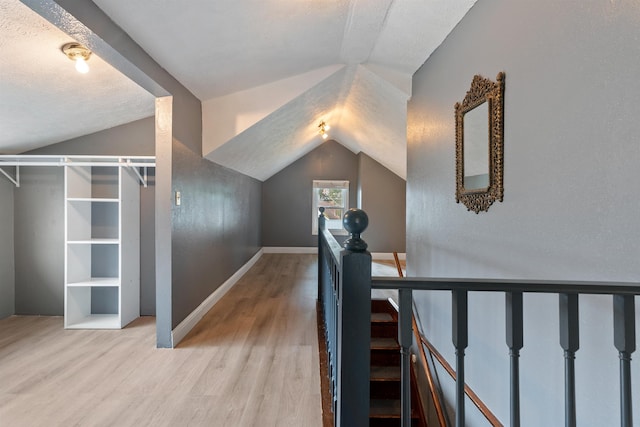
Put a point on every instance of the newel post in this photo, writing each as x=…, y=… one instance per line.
x=321, y=226
x=354, y=325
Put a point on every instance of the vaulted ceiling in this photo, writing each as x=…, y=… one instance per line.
x=267, y=72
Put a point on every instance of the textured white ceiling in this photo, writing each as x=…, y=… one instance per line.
x=43, y=99
x=268, y=71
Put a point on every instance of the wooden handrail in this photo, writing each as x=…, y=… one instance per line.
x=432, y=385
x=468, y=391
x=423, y=358
x=447, y=367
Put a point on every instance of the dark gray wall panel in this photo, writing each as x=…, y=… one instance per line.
x=216, y=229
x=286, y=196
x=136, y=138
x=571, y=157
x=7, y=271
x=39, y=241
x=382, y=197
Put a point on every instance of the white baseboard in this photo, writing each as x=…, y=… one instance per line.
x=289, y=250
x=194, y=317
x=388, y=256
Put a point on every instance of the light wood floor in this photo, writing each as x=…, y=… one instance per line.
x=251, y=361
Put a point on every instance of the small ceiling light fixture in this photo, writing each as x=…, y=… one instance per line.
x=78, y=53
x=322, y=129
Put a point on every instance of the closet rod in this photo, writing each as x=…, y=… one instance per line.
x=133, y=162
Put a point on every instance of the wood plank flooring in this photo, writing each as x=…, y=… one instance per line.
x=251, y=361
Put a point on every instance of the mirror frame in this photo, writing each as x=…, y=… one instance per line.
x=482, y=90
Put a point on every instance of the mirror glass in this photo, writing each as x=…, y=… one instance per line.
x=476, y=147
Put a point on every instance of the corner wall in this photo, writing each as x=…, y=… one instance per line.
x=571, y=157
x=179, y=166
x=286, y=196
x=7, y=273
x=287, y=203
x=39, y=241
x=381, y=194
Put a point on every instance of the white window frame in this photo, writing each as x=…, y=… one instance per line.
x=335, y=226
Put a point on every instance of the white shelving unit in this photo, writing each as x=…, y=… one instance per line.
x=102, y=247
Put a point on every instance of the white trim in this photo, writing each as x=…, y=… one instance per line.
x=194, y=317
x=289, y=250
x=387, y=256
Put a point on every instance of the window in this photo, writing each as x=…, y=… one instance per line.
x=333, y=196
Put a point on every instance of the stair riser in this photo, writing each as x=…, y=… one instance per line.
x=390, y=422
x=384, y=330
x=384, y=389
x=384, y=357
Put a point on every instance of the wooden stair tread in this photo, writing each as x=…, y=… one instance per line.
x=384, y=344
x=387, y=408
x=382, y=317
x=385, y=373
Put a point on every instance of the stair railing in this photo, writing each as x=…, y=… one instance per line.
x=434, y=388
x=344, y=290
x=344, y=282
x=568, y=293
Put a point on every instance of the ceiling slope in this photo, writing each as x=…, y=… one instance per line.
x=43, y=99
x=267, y=71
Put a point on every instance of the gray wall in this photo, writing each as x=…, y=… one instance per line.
x=571, y=158
x=7, y=272
x=40, y=201
x=286, y=196
x=39, y=241
x=381, y=194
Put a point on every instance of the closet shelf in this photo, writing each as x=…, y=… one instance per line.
x=94, y=242
x=92, y=199
x=97, y=282
x=97, y=321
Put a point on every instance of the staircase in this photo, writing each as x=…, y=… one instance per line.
x=385, y=370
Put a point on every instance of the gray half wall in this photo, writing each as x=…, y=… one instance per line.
x=7, y=271
x=216, y=229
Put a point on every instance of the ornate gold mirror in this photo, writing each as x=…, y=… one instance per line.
x=479, y=144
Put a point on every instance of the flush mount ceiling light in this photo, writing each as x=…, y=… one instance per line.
x=78, y=53
x=322, y=129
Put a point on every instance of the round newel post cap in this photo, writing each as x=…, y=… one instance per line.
x=355, y=221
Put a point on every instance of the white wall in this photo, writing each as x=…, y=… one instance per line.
x=7, y=270
x=570, y=211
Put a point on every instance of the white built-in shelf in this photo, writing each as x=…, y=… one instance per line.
x=102, y=246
